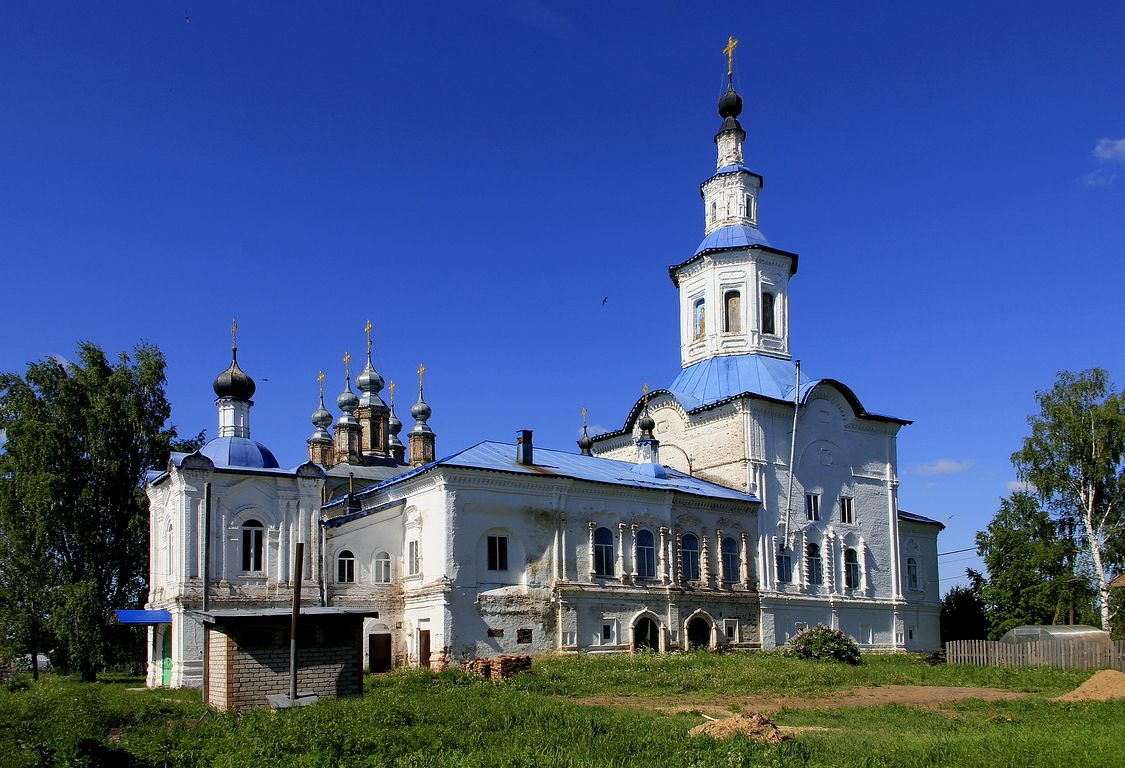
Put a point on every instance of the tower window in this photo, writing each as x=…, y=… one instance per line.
x=750, y=213
x=714, y=211
x=732, y=312
x=698, y=323
x=851, y=569
x=912, y=573
x=768, y=326
x=251, y=546
x=812, y=507
x=847, y=511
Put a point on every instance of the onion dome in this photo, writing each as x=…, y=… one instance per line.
x=421, y=410
x=647, y=424
x=394, y=426
x=233, y=383
x=321, y=418
x=730, y=103
x=347, y=401
x=585, y=443
x=369, y=382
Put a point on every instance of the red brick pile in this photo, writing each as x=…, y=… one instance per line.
x=499, y=668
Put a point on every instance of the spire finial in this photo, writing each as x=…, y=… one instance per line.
x=644, y=393
x=348, y=365
x=391, y=387
x=729, y=51
x=421, y=371
x=367, y=330
x=583, y=418
x=320, y=381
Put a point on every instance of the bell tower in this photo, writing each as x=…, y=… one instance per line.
x=734, y=291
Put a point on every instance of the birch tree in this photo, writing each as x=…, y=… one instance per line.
x=1073, y=460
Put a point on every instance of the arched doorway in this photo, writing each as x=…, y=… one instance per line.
x=698, y=633
x=646, y=635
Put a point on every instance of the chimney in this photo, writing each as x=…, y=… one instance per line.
x=524, y=448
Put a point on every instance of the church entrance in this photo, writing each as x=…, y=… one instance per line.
x=379, y=652
x=166, y=657
x=646, y=635
x=698, y=633
x=424, y=648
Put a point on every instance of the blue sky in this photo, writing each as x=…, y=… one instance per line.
x=476, y=178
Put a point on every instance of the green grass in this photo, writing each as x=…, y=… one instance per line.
x=413, y=719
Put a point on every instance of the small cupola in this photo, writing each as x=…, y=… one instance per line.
x=585, y=443
x=422, y=438
x=233, y=383
x=648, y=447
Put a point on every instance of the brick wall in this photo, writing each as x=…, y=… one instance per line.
x=250, y=660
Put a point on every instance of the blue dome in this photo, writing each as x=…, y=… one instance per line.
x=239, y=452
x=731, y=237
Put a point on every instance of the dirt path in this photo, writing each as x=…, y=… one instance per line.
x=929, y=696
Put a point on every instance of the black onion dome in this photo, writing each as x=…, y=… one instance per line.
x=647, y=424
x=585, y=442
x=234, y=383
x=730, y=103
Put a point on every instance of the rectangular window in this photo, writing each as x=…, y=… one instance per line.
x=731, y=626
x=812, y=506
x=523, y=636
x=607, y=633
x=412, y=558
x=497, y=553
x=784, y=567
x=495, y=632
x=847, y=511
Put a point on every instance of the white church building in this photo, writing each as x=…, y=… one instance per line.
x=735, y=507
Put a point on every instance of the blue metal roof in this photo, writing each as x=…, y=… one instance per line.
x=720, y=378
x=239, y=452
x=733, y=169
x=144, y=617
x=501, y=457
x=732, y=236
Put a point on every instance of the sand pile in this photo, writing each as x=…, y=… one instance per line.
x=1102, y=686
x=756, y=726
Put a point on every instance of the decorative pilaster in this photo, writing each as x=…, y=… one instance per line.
x=633, y=554
x=590, y=548
x=664, y=559
x=705, y=561
x=745, y=574
x=620, y=569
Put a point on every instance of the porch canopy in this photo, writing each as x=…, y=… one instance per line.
x=144, y=617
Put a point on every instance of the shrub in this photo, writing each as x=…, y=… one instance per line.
x=822, y=643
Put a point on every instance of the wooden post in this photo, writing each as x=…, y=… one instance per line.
x=298, y=562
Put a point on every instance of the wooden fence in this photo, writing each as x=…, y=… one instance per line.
x=1065, y=654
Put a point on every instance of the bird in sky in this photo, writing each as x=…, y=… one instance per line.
x=605, y=300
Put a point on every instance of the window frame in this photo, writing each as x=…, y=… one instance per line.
x=605, y=563
x=497, y=553
x=812, y=507
x=689, y=558
x=728, y=316
x=413, y=558
x=852, y=575
x=847, y=510
x=912, y=580
x=814, y=563
x=784, y=566
x=253, y=546
x=345, y=567
x=381, y=573
x=699, y=319
x=730, y=568
x=646, y=555
x=769, y=314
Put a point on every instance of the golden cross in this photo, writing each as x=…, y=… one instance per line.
x=391, y=387
x=320, y=381
x=234, y=332
x=421, y=370
x=347, y=364
x=583, y=417
x=729, y=51
x=367, y=330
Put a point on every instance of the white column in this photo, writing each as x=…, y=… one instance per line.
x=562, y=554
x=863, y=566
x=744, y=571
x=663, y=564
x=828, y=555
x=719, y=557
x=705, y=560
x=620, y=569
x=892, y=530
x=633, y=554
x=590, y=545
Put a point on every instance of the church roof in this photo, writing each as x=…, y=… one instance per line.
x=501, y=457
x=904, y=515
x=239, y=452
x=732, y=238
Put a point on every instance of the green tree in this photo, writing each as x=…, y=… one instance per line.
x=79, y=439
x=1074, y=461
x=1032, y=577
x=963, y=614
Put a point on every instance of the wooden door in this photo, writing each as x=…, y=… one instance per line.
x=379, y=652
x=424, y=648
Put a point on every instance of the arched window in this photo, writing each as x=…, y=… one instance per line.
x=252, y=546
x=646, y=554
x=750, y=207
x=815, y=566
x=698, y=323
x=345, y=567
x=690, y=548
x=382, y=573
x=767, y=314
x=730, y=560
x=714, y=211
x=603, y=552
x=912, y=573
x=732, y=312
x=851, y=569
